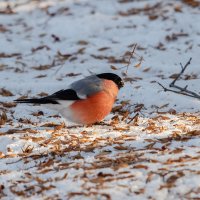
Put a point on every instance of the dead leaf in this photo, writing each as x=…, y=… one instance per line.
x=37, y=139
x=115, y=120
x=192, y=3
x=141, y=167
x=59, y=127
x=49, y=125
x=120, y=148
x=113, y=67
x=4, y=55
x=147, y=69
x=3, y=29
x=173, y=178
x=73, y=74
x=42, y=67
x=121, y=128
x=9, y=104
x=175, y=151
x=25, y=130
x=61, y=178
x=42, y=94
x=39, y=113
x=1, y=156
x=172, y=111
x=8, y=11
x=178, y=8
x=82, y=42
x=63, y=56
x=160, y=46
x=138, y=107
x=153, y=17
x=3, y=118
x=40, y=48
x=103, y=48
x=28, y=149
x=147, y=10
x=5, y=93
x=56, y=38
x=41, y=76
x=44, y=171
x=47, y=163
x=175, y=36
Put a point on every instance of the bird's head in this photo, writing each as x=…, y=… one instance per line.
x=113, y=77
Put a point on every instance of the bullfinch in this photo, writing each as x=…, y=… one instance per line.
x=86, y=101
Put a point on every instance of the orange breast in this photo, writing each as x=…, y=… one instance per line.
x=96, y=107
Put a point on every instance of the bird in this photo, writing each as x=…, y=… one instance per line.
x=86, y=101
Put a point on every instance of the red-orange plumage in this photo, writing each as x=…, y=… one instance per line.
x=97, y=106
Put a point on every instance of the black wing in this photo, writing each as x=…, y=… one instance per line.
x=68, y=94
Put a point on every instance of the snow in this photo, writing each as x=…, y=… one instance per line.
x=155, y=156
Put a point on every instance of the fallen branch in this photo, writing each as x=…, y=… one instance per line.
x=131, y=56
x=178, y=92
x=134, y=117
x=172, y=84
x=181, y=90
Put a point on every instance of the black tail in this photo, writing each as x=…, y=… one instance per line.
x=37, y=101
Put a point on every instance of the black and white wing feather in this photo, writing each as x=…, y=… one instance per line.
x=78, y=90
x=55, y=98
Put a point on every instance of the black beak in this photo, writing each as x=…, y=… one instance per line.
x=121, y=84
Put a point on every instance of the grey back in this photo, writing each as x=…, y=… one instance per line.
x=87, y=86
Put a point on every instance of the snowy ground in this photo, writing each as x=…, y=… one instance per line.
x=46, y=45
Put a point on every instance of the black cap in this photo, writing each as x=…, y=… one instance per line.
x=113, y=77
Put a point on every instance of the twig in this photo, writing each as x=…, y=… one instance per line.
x=181, y=90
x=57, y=70
x=131, y=55
x=136, y=115
x=193, y=94
x=172, y=84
